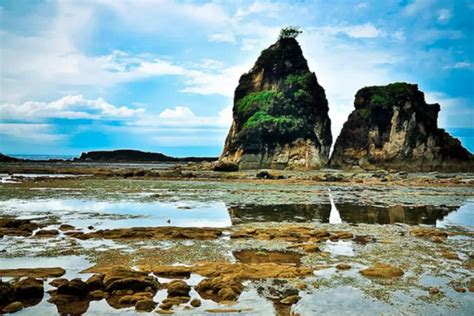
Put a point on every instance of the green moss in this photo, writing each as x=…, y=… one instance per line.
x=256, y=101
x=379, y=100
x=261, y=118
x=365, y=113
x=301, y=80
x=400, y=87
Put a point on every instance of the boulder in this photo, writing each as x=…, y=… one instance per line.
x=382, y=271
x=29, y=288
x=95, y=282
x=195, y=302
x=226, y=166
x=178, y=288
x=145, y=305
x=224, y=288
x=75, y=287
x=13, y=307
x=124, y=279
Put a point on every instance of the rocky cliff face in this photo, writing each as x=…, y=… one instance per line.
x=280, y=113
x=393, y=127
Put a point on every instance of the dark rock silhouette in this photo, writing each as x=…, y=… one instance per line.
x=393, y=127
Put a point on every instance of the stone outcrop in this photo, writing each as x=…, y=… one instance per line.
x=129, y=155
x=280, y=114
x=393, y=127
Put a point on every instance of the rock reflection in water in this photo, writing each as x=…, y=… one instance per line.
x=337, y=213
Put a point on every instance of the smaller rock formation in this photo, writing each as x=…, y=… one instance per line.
x=128, y=155
x=393, y=127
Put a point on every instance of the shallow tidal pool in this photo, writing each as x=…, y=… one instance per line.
x=378, y=218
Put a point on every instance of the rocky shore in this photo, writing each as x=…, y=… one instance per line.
x=285, y=262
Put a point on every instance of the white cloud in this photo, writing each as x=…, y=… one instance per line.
x=417, y=6
x=222, y=38
x=362, y=5
x=361, y=66
x=68, y=107
x=41, y=133
x=455, y=112
x=367, y=30
x=444, y=15
x=179, y=112
x=258, y=7
x=182, y=117
x=459, y=65
x=180, y=126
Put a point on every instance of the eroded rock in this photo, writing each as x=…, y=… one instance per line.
x=33, y=272
x=393, y=127
x=280, y=114
x=382, y=271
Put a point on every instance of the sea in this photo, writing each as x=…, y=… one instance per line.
x=43, y=157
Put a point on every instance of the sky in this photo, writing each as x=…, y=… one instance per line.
x=160, y=75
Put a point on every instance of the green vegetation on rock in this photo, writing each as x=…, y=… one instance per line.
x=256, y=101
x=290, y=32
x=262, y=118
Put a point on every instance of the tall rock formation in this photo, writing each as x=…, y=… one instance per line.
x=393, y=127
x=280, y=113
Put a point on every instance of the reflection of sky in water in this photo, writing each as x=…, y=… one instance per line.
x=334, y=216
x=82, y=213
x=463, y=216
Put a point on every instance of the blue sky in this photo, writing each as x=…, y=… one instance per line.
x=159, y=75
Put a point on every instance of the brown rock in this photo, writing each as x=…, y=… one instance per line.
x=311, y=248
x=434, y=290
x=227, y=294
x=260, y=256
x=75, y=287
x=224, y=288
x=7, y=292
x=29, y=288
x=343, y=266
x=124, y=279
x=460, y=289
x=145, y=305
x=382, y=271
x=450, y=255
x=364, y=239
x=164, y=312
x=17, y=227
x=195, y=302
x=157, y=233
x=95, y=282
x=428, y=232
x=166, y=306
x=97, y=295
x=290, y=300
x=59, y=282
x=13, y=307
x=46, y=233
x=66, y=227
x=342, y=235
x=178, y=288
x=172, y=271
x=33, y=272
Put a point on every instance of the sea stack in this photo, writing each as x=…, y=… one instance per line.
x=392, y=127
x=280, y=113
